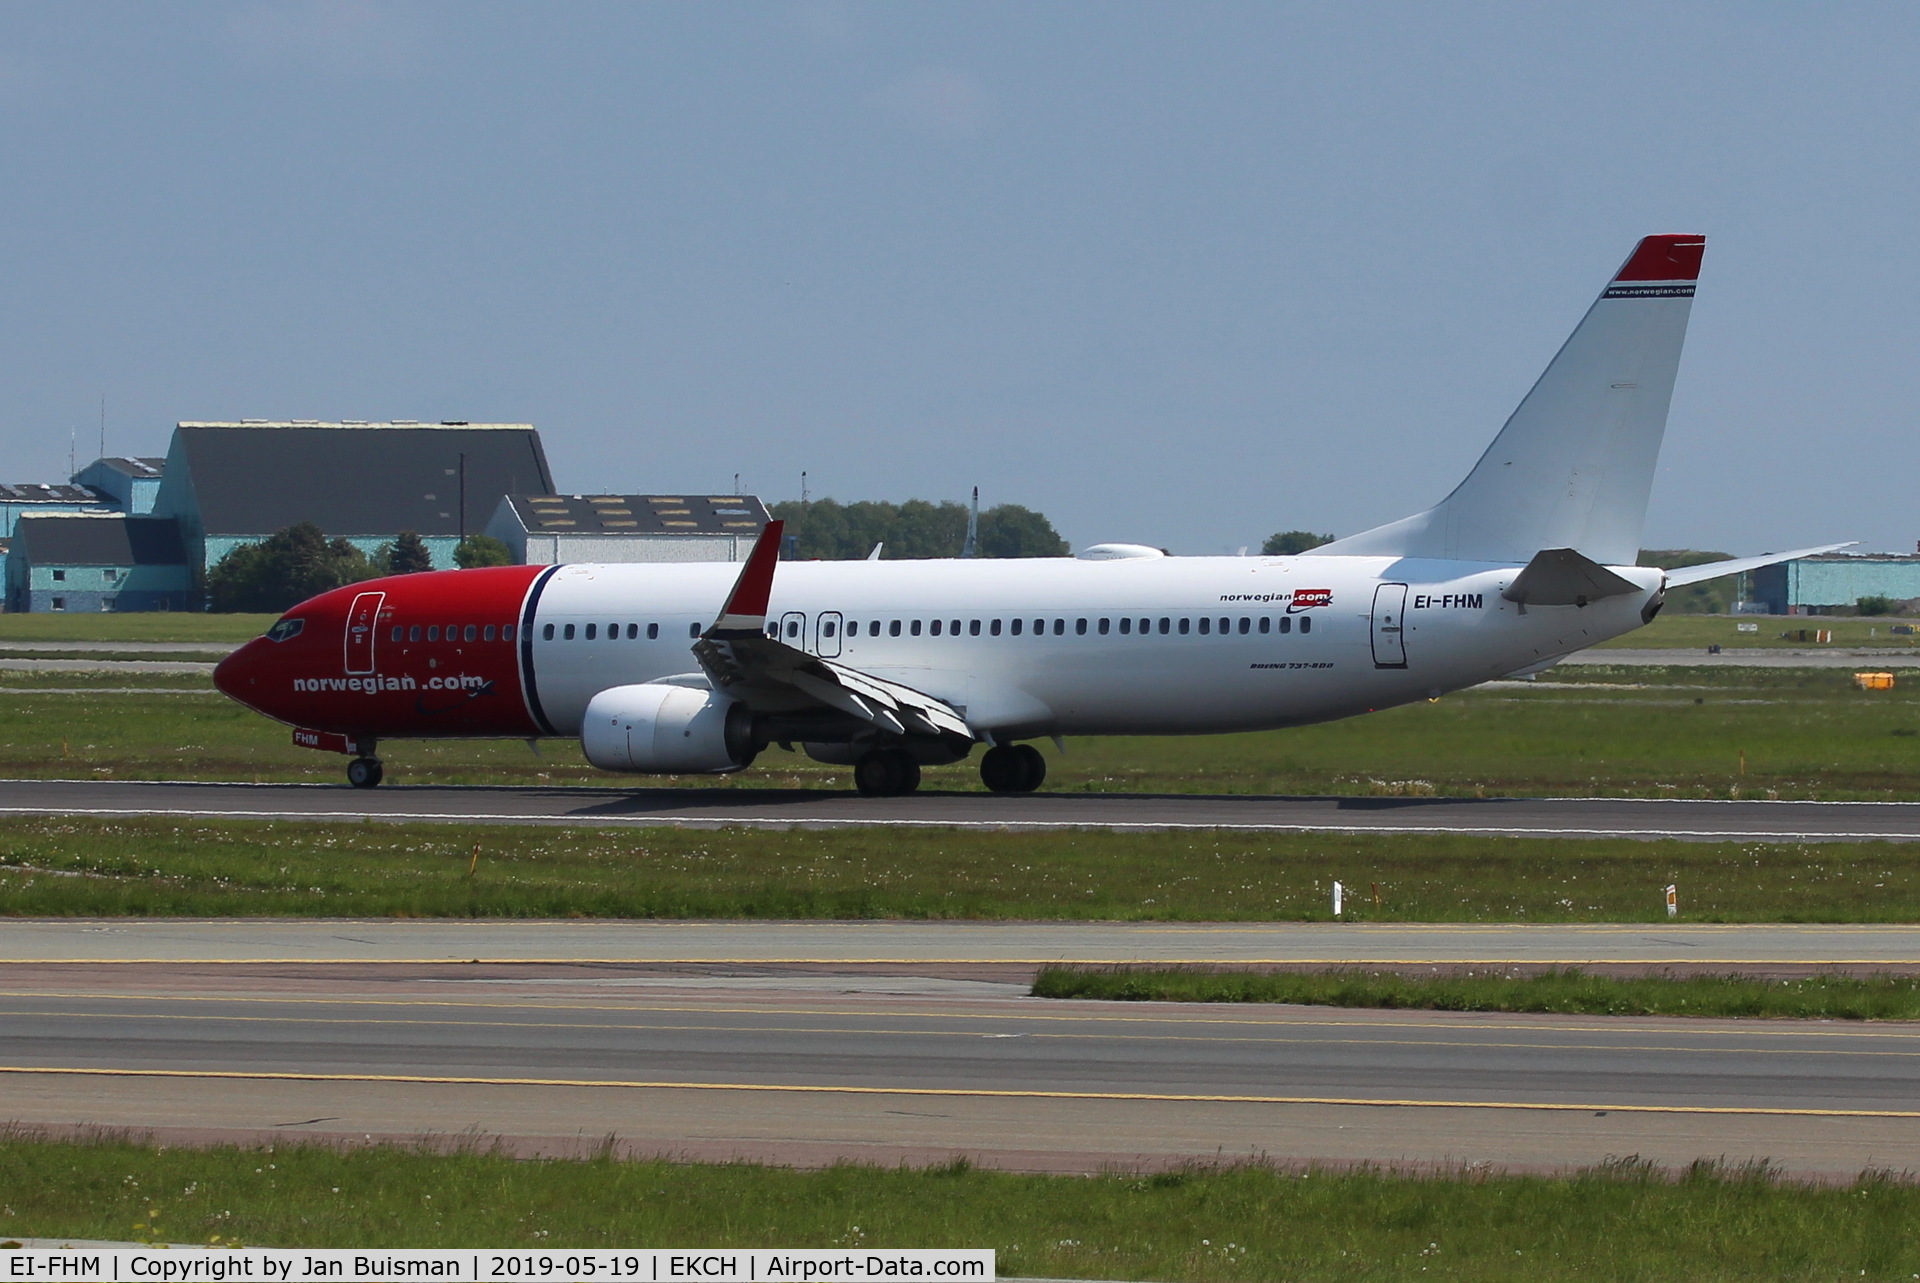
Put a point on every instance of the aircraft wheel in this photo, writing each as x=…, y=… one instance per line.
x=907, y=776
x=365, y=772
x=874, y=773
x=1032, y=768
x=1013, y=768
x=999, y=769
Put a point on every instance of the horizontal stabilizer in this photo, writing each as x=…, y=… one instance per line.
x=1715, y=569
x=1562, y=577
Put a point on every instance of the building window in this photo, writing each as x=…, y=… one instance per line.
x=59, y=603
x=60, y=577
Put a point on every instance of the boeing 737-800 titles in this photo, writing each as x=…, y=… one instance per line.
x=890, y=665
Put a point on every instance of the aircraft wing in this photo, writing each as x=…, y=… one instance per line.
x=770, y=676
x=1715, y=569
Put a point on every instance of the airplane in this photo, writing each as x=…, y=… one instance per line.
x=889, y=666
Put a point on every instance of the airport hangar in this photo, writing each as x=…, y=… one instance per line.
x=141, y=534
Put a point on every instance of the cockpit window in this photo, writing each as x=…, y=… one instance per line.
x=286, y=629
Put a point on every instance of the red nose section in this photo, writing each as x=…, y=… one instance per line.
x=413, y=656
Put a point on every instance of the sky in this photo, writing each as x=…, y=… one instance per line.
x=1176, y=273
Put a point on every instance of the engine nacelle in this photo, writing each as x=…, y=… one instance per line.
x=657, y=728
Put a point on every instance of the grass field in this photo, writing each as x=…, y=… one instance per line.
x=1657, y=732
x=1700, y=631
x=140, y=626
x=1570, y=992
x=263, y=868
x=1622, y=1222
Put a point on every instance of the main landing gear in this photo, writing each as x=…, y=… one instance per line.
x=886, y=772
x=365, y=772
x=1013, y=768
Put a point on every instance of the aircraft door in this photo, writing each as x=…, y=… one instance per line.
x=793, y=629
x=826, y=635
x=1389, y=626
x=361, y=620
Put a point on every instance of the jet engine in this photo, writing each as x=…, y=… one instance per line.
x=658, y=728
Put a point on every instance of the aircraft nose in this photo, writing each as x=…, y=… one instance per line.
x=233, y=675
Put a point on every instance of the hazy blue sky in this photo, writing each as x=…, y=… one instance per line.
x=1182, y=273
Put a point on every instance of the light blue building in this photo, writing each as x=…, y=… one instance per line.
x=130, y=484
x=92, y=562
x=19, y=501
x=1816, y=585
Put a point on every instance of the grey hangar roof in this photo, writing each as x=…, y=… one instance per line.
x=81, y=540
x=639, y=514
x=357, y=479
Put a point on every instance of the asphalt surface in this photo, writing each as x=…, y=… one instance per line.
x=757, y=1063
x=1538, y=817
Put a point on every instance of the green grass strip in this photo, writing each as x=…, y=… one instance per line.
x=1253, y=1222
x=1569, y=991
x=238, y=868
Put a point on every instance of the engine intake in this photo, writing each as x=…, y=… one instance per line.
x=661, y=729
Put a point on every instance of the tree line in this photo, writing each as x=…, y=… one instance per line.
x=833, y=531
x=301, y=562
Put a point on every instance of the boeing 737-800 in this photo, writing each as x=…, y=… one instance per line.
x=890, y=665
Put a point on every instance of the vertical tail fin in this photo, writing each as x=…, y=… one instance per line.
x=1573, y=467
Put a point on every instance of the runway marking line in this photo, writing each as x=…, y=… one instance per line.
x=989, y=1093
x=1015, y=825
x=843, y=1031
x=1171, y=963
x=1759, y=1028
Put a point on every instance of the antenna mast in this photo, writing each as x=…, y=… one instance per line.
x=973, y=526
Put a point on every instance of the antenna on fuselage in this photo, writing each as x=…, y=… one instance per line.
x=973, y=526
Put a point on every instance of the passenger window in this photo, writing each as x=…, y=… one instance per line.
x=1080, y=627
x=1286, y=624
x=914, y=628
x=413, y=633
x=954, y=628
x=873, y=628
x=973, y=628
x=1016, y=626
x=653, y=632
x=487, y=634
x=793, y=628
x=1206, y=625
x=693, y=629
x=936, y=628
x=590, y=629
x=1265, y=623
x=566, y=633
x=1245, y=625
x=893, y=629
x=1306, y=623
x=1126, y=626
x=1103, y=628
x=1146, y=626
x=1226, y=626
x=993, y=627
x=506, y=633
x=470, y=633
x=633, y=632
x=1039, y=627
x=433, y=633
x=547, y=632
x=1183, y=627
x=827, y=628
x=397, y=632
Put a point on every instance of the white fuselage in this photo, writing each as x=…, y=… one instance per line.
x=1361, y=633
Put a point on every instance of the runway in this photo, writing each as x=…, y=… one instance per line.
x=1493, y=817
x=724, y=1063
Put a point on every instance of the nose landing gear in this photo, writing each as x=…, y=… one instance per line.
x=1013, y=768
x=365, y=772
